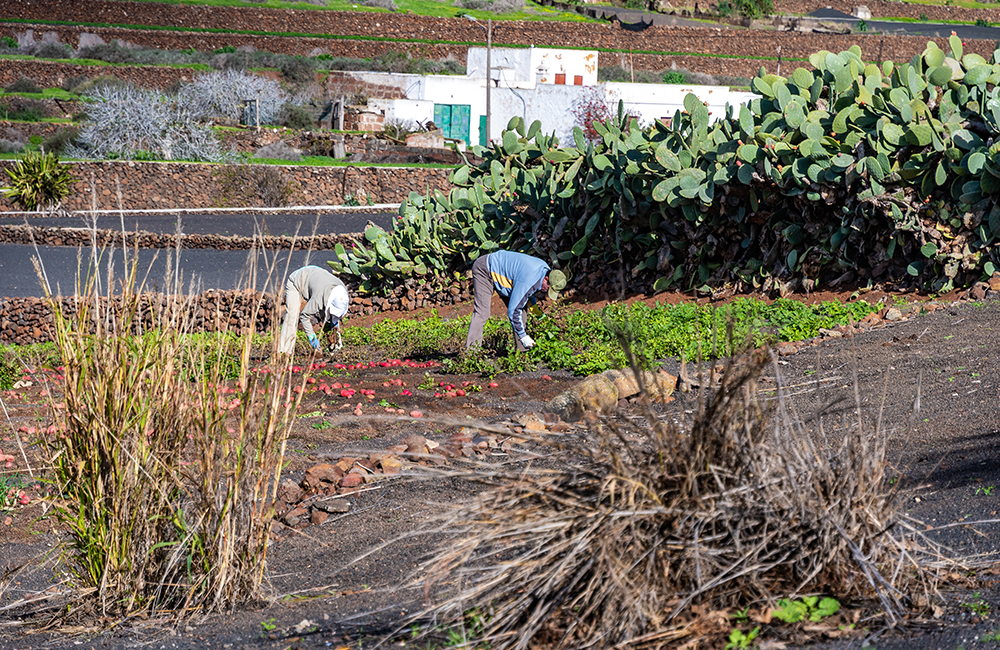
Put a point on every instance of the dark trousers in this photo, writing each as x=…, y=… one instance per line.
x=482, y=295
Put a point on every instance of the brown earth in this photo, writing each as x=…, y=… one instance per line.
x=946, y=454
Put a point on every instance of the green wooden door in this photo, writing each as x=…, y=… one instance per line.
x=453, y=120
x=482, y=131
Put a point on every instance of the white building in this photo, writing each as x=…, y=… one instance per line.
x=533, y=83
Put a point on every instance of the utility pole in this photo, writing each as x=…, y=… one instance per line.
x=489, y=74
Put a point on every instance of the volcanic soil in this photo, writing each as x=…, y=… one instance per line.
x=343, y=580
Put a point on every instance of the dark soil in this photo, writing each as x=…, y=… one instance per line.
x=945, y=453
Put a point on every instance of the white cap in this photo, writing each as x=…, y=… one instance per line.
x=337, y=306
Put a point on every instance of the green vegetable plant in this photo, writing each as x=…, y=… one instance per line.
x=810, y=608
x=737, y=639
x=38, y=181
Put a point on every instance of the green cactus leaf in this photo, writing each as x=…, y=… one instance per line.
x=602, y=163
x=940, y=75
x=746, y=122
x=691, y=102
x=972, y=59
x=892, y=134
x=967, y=140
x=840, y=121
x=929, y=249
x=956, y=46
x=383, y=250
x=748, y=153
x=534, y=129
x=510, y=142
x=933, y=55
x=662, y=189
x=794, y=116
x=579, y=138
x=989, y=184
x=667, y=158
x=762, y=87
x=461, y=175
x=976, y=162
x=792, y=259
x=579, y=247
x=833, y=62
x=374, y=233
x=783, y=95
x=919, y=135
x=745, y=174
x=813, y=131
x=818, y=59
x=978, y=74
x=842, y=160
x=802, y=78
x=843, y=80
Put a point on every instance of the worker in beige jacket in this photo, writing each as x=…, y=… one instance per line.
x=326, y=302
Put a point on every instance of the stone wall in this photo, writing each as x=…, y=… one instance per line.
x=882, y=9
x=148, y=185
x=24, y=321
x=684, y=42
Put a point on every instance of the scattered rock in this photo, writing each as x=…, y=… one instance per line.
x=333, y=505
x=893, y=314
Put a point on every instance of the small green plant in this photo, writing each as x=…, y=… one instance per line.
x=923, y=18
x=322, y=425
x=475, y=360
x=225, y=49
x=809, y=608
x=737, y=639
x=674, y=77
x=9, y=42
x=985, y=491
x=268, y=625
x=351, y=200
x=38, y=182
x=741, y=615
x=977, y=606
x=862, y=25
x=982, y=22
x=427, y=383
x=384, y=403
x=991, y=637
x=9, y=374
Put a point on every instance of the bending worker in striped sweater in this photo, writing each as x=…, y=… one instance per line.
x=517, y=278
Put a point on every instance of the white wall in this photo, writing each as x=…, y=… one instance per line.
x=551, y=104
x=404, y=110
x=519, y=67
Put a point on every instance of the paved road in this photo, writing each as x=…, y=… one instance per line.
x=931, y=30
x=207, y=269
x=219, y=224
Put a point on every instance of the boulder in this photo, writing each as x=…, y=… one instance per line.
x=600, y=393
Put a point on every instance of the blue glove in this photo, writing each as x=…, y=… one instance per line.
x=314, y=341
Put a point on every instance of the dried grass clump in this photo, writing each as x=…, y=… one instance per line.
x=731, y=506
x=161, y=474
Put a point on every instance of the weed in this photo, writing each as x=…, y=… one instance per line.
x=476, y=360
x=810, y=607
x=977, y=606
x=741, y=615
x=322, y=425
x=674, y=77
x=991, y=637
x=862, y=25
x=427, y=383
x=268, y=625
x=985, y=491
x=737, y=639
x=982, y=22
x=23, y=85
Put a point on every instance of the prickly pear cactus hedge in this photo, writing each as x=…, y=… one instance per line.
x=851, y=171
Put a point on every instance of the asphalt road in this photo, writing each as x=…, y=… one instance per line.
x=218, y=224
x=201, y=269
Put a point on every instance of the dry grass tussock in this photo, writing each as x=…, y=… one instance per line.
x=730, y=504
x=161, y=474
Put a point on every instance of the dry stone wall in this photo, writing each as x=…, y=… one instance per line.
x=685, y=43
x=27, y=320
x=151, y=185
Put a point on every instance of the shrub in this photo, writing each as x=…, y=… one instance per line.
x=298, y=69
x=494, y=6
x=11, y=146
x=982, y=22
x=24, y=110
x=124, y=120
x=596, y=542
x=8, y=42
x=862, y=25
x=674, y=77
x=253, y=185
x=294, y=116
x=103, y=81
x=71, y=83
x=162, y=483
x=52, y=51
x=23, y=85
x=226, y=49
x=109, y=52
x=58, y=141
x=10, y=373
x=755, y=8
x=38, y=182
x=222, y=95
x=279, y=150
